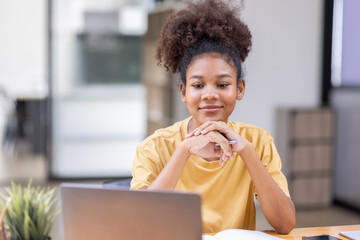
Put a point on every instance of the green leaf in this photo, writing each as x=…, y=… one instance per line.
x=40, y=218
x=26, y=226
x=31, y=212
x=34, y=233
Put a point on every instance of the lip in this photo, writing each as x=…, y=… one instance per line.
x=210, y=108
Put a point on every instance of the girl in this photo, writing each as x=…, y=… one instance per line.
x=226, y=162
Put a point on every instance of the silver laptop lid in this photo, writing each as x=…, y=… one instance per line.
x=92, y=213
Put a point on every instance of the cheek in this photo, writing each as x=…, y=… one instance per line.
x=192, y=96
x=230, y=97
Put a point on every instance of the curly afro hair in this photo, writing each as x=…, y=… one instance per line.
x=203, y=26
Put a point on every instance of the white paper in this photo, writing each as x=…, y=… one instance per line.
x=237, y=234
x=355, y=235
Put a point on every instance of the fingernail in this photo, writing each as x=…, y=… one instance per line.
x=203, y=132
x=196, y=133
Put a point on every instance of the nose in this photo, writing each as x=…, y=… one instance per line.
x=210, y=93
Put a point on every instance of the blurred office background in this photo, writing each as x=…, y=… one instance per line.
x=80, y=88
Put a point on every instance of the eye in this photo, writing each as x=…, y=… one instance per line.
x=223, y=85
x=197, y=85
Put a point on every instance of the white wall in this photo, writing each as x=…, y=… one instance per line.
x=23, y=48
x=284, y=66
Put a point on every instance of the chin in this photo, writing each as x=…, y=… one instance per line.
x=216, y=119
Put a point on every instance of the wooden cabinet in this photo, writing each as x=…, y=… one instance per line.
x=305, y=143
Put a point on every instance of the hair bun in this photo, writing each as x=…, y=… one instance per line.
x=212, y=19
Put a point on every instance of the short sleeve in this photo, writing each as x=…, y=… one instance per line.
x=270, y=157
x=146, y=166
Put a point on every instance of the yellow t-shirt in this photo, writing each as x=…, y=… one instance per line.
x=227, y=191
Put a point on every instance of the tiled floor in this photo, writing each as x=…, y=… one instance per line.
x=22, y=168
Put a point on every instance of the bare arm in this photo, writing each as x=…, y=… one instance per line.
x=171, y=173
x=278, y=209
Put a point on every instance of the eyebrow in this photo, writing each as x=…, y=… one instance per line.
x=225, y=75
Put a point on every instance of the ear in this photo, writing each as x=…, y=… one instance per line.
x=240, y=89
x=182, y=92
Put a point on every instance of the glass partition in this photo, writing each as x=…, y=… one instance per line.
x=98, y=108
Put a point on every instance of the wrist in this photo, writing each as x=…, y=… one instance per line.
x=183, y=147
x=247, y=150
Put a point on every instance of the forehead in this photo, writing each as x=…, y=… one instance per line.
x=210, y=62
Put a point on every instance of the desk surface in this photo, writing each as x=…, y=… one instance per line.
x=298, y=233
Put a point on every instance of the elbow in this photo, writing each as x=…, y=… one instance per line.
x=288, y=221
x=286, y=226
x=285, y=229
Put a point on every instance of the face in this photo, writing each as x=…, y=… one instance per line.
x=211, y=89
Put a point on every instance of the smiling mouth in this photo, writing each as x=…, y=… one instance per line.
x=210, y=108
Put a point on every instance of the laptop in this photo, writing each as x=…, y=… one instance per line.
x=92, y=212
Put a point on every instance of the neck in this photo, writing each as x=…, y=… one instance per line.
x=190, y=125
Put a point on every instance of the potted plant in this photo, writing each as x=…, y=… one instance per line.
x=29, y=212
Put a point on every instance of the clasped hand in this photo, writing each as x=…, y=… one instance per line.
x=202, y=142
